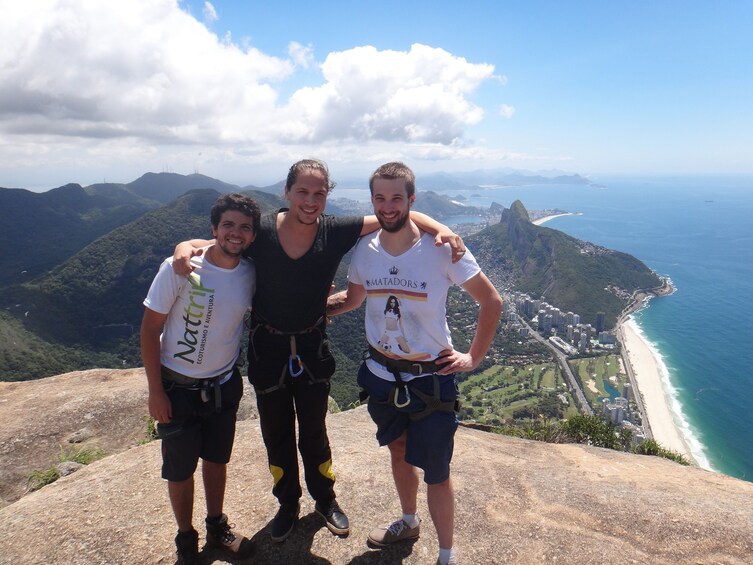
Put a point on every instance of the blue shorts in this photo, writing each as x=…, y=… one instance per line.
x=197, y=430
x=430, y=440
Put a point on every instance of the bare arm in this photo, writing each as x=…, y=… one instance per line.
x=183, y=253
x=151, y=328
x=490, y=308
x=442, y=234
x=346, y=300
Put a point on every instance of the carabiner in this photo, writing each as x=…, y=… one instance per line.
x=407, y=397
x=290, y=366
x=294, y=355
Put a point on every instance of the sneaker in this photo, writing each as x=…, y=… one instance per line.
x=334, y=517
x=284, y=521
x=187, y=545
x=395, y=532
x=221, y=536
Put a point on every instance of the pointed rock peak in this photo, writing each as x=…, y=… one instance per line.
x=519, y=210
x=516, y=212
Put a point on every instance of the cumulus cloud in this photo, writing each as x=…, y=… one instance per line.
x=137, y=68
x=146, y=72
x=419, y=95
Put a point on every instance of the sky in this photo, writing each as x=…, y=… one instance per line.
x=101, y=91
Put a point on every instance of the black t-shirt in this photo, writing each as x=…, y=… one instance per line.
x=291, y=294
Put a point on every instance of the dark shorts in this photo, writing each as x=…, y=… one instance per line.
x=430, y=440
x=197, y=430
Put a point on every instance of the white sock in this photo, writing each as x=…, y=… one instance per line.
x=446, y=556
x=411, y=519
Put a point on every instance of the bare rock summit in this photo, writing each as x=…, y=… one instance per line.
x=518, y=501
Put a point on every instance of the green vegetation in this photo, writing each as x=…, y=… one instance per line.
x=590, y=430
x=25, y=356
x=503, y=394
x=597, y=431
x=600, y=377
x=40, y=478
x=652, y=447
x=151, y=430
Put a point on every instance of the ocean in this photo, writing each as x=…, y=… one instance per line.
x=698, y=231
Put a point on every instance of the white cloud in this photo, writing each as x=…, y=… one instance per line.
x=419, y=95
x=302, y=55
x=143, y=79
x=210, y=14
x=506, y=111
x=141, y=69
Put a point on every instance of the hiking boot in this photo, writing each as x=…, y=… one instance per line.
x=187, y=545
x=334, y=517
x=221, y=536
x=395, y=532
x=284, y=521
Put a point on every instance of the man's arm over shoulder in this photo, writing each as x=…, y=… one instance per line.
x=184, y=251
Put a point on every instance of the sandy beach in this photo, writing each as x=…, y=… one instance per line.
x=649, y=381
x=547, y=218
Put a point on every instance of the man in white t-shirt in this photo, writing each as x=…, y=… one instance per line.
x=409, y=375
x=190, y=342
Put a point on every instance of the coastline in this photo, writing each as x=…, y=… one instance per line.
x=547, y=218
x=647, y=370
x=650, y=378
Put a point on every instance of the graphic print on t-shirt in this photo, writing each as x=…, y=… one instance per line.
x=393, y=327
x=401, y=297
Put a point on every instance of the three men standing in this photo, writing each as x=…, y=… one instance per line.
x=296, y=253
x=405, y=274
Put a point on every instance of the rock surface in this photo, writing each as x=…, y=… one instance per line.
x=517, y=501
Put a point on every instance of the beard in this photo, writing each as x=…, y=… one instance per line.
x=396, y=225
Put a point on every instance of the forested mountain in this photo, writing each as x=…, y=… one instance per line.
x=43, y=229
x=166, y=187
x=103, y=285
x=85, y=309
x=569, y=273
x=40, y=230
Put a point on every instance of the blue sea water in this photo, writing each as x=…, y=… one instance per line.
x=698, y=231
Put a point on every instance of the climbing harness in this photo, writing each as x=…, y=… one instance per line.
x=203, y=385
x=295, y=366
x=431, y=402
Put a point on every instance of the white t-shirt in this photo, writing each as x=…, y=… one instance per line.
x=205, y=311
x=406, y=298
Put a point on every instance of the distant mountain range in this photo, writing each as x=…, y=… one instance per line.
x=78, y=262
